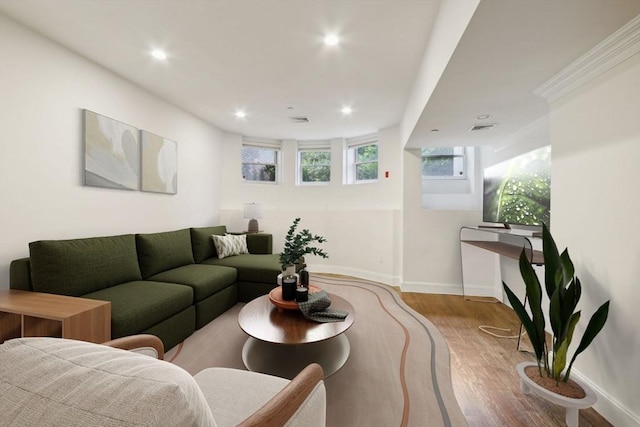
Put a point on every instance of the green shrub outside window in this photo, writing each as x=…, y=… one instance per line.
x=315, y=166
x=366, y=162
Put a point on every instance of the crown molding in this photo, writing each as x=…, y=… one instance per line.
x=612, y=51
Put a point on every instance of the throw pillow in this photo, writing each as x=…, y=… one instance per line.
x=230, y=245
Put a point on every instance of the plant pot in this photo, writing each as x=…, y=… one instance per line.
x=288, y=270
x=528, y=386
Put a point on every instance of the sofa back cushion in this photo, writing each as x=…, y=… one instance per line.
x=53, y=381
x=160, y=252
x=80, y=266
x=203, y=247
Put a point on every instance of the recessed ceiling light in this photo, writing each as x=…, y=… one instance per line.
x=240, y=114
x=159, y=54
x=331, y=40
x=346, y=110
x=483, y=116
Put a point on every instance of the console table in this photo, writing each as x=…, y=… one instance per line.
x=503, y=242
x=35, y=314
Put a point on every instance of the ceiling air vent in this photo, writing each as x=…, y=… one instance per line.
x=299, y=119
x=487, y=126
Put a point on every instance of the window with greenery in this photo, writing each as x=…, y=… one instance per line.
x=259, y=163
x=366, y=162
x=361, y=160
x=443, y=163
x=314, y=166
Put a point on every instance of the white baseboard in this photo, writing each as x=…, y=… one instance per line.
x=449, y=289
x=482, y=291
x=431, y=288
x=387, y=279
x=607, y=406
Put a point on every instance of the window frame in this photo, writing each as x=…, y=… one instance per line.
x=300, y=166
x=352, y=163
x=264, y=145
x=463, y=156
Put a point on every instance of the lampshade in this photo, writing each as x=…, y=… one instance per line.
x=253, y=212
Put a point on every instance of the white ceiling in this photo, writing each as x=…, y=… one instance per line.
x=265, y=56
x=509, y=48
x=255, y=55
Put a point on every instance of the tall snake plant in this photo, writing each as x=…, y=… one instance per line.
x=563, y=289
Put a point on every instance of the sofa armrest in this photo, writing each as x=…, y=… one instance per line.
x=301, y=403
x=260, y=243
x=147, y=344
x=20, y=274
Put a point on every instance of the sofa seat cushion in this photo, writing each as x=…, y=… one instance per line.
x=252, y=268
x=205, y=280
x=202, y=242
x=53, y=381
x=159, y=252
x=79, y=266
x=136, y=306
x=225, y=390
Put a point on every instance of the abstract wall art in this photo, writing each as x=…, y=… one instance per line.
x=159, y=164
x=112, y=153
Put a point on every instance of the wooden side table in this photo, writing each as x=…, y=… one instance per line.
x=35, y=314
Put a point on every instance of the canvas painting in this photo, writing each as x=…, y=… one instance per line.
x=159, y=164
x=112, y=153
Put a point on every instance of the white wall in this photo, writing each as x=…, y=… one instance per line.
x=431, y=248
x=456, y=194
x=43, y=89
x=361, y=222
x=451, y=22
x=595, y=188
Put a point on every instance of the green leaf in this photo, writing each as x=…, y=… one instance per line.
x=521, y=312
x=569, y=301
x=596, y=323
x=555, y=317
x=552, y=262
x=534, y=293
x=560, y=356
x=567, y=268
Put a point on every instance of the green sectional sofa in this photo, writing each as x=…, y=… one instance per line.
x=167, y=284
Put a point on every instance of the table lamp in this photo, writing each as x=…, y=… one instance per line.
x=252, y=212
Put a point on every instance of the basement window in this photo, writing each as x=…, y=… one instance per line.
x=362, y=160
x=444, y=163
x=260, y=162
x=313, y=165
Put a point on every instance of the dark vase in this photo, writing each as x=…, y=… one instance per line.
x=304, y=276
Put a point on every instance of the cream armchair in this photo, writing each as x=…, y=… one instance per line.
x=45, y=381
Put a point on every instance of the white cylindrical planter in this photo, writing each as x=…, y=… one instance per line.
x=527, y=385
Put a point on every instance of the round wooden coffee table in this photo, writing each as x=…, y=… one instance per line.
x=283, y=342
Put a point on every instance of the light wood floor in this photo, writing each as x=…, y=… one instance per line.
x=483, y=367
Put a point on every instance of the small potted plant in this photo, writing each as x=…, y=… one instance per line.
x=297, y=245
x=563, y=289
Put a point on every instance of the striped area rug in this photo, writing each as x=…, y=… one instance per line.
x=397, y=374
